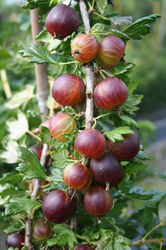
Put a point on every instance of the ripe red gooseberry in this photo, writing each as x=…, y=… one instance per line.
x=125, y=150
x=61, y=124
x=57, y=206
x=111, y=50
x=107, y=169
x=110, y=93
x=15, y=240
x=76, y=176
x=97, y=201
x=83, y=247
x=90, y=143
x=41, y=230
x=84, y=48
x=62, y=21
x=68, y=90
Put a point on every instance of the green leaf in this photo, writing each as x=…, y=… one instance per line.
x=21, y=205
x=20, y=98
x=38, y=54
x=142, y=156
x=140, y=193
x=105, y=124
x=140, y=27
x=30, y=166
x=162, y=210
x=56, y=180
x=102, y=5
x=131, y=105
x=117, y=133
x=45, y=37
x=119, y=34
x=132, y=86
x=12, y=178
x=17, y=128
x=108, y=240
x=45, y=135
x=128, y=121
x=9, y=191
x=135, y=168
x=99, y=27
x=120, y=242
x=43, y=5
x=64, y=237
x=60, y=157
x=53, y=2
x=122, y=69
x=14, y=227
x=121, y=20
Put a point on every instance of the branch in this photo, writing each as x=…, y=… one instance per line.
x=28, y=234
x=143, y=241
x=42, y=95
x=85, y=15
x=154, y=228
x=89, y=98
x=149, y=241
x=88, y=71
x=40, y=69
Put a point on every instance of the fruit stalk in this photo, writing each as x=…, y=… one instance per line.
x=88, y=71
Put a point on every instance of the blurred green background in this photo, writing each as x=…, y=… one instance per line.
x=149, y=54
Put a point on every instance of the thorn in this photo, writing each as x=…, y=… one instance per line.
x=82, y=113
x=73, y=195
x=107, y=186
x=99, y=220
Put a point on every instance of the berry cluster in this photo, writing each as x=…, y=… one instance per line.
x=104, y=167
x=105, y=157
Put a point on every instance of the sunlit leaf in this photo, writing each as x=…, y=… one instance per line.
x=64, y=236
x=117, y=133
x=102, y=5
x=20, y=98
x=121, y=20
x=10, y=155
x=21, y=205
x=141, y=27
x=17, y=128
